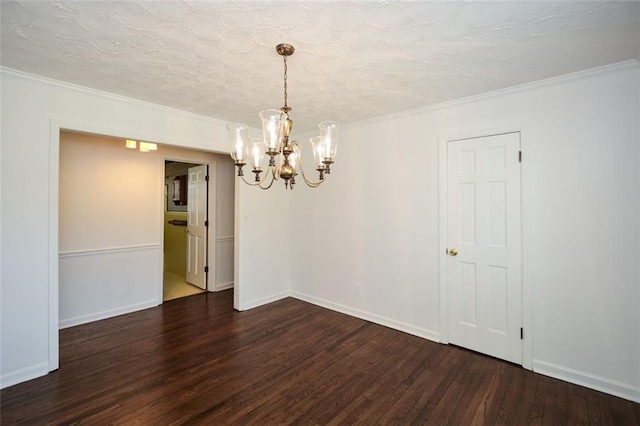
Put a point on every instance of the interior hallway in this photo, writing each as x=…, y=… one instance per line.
x=175, y=286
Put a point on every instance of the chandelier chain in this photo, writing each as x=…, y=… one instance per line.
x=285, y=81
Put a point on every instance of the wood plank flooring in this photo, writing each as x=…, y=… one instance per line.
x=197, y=361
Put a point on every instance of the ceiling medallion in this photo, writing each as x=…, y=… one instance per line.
x=285, y=158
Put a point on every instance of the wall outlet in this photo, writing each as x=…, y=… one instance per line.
x=357, y=288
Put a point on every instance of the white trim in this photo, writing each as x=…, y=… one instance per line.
x=628, y=64
x=368, y=316
x=135, y=133
x=262, y=301
x=225, y=239
x=109, y=95
x=442, y=240
x=107, y=250
x=526, y=227
x=22, y=375
x=631, y=63
x=84, y=319
x=223, y=286
x=592, y=381
x=525, y=224
x=53, y=248
x=212, y=201
x=236, y=247
x=161, y=211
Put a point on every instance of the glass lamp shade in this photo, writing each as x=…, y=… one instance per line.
x=318, y=150
x=329, y=139
x=256, y=152
x=271, y=123
x=238, y=141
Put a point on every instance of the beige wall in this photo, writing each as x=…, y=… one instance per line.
x=113, y=222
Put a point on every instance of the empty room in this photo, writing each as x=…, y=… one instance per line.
x=383, y=212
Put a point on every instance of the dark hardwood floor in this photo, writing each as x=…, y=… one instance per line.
x=197, y=361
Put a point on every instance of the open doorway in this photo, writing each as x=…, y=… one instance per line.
x=110, y=219
x=184, y=243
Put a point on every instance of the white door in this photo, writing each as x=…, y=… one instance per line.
x=484, y=245
x=197, y=226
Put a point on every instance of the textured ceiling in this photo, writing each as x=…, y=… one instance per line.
x=353, y=60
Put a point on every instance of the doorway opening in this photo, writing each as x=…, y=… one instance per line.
x=105, y=249
x=178, y=202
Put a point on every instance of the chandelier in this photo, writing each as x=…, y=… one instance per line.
x=285, y=157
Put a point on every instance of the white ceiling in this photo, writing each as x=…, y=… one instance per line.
x=353, y=59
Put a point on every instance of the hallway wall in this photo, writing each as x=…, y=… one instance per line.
x=110, y=204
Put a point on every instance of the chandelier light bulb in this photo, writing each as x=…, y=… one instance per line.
x=256, y=153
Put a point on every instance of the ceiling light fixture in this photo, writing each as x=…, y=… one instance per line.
x=144, y=146
x=276, y=129
x=148, y=146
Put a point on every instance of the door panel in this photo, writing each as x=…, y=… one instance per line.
x=483, y=225
x=197, y=231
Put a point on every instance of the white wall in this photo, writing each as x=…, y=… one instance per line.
x=262, y=260
x=375, y=222
x=33, y=112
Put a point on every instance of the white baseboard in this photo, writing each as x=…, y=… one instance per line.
x=84, y=319
x=263, y=301
x=602, y=384
x=223, y=286
x=24, y=374
x=368, y=316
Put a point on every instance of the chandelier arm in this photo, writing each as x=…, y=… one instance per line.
x=259, y=184
x=274, y=177
x=250, y=183
x=309, y=182
x=271, y=172
x=270, y=183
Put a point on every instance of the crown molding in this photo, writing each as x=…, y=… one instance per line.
x=109, y=95
x=547, y=82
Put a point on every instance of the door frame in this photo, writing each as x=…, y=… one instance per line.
x=55, y=127
x=525, y=223
x=211, y=217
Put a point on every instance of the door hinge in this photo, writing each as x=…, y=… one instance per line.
x=206, y=269
x=519, y=156
x=521, y=333
x=206, y=178
x=206, y=223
